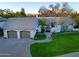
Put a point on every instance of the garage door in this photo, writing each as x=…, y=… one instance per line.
x=12, y=34
x=25, y=34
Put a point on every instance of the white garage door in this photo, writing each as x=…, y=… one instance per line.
x=12, y=34
x=25, y=34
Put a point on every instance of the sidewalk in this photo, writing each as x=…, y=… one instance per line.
x=74, y=54
x=48, y=39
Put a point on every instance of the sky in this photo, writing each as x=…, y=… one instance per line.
x=33, y=7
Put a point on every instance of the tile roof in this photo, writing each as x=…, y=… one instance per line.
x=58, y=20
x=28, y=23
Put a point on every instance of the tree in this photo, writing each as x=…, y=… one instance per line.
x=74, y=14
x=42, y=23
x=77, y=20
x=8, y=13
x=1, y=12
x=52, y=7
x=65, y=4
x=18, y=14
x=56, y=7
x=66, y=9
x=23, y=12
x=43, y=11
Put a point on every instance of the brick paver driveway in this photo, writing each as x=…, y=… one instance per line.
x=15, y=47
x=18, y=47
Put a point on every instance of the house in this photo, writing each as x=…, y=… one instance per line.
x=2, y=22
x=27, y=27
x=58, y=24
x=20, y=27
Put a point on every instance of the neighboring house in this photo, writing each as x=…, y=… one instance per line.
x=2, y=22
x=57, y=24
x=21, y=27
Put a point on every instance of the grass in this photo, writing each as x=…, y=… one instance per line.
x=40, y=36
x=61, y=43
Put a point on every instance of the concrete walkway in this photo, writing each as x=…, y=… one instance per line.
x=48, y=39
x=74, y=54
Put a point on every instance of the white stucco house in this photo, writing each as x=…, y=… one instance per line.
x=59, y=23
x=28, y=26
x=21, y=27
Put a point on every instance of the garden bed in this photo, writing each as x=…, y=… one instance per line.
x=40, y=36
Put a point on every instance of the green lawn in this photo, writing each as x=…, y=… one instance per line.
x=62, y=43
x=40, y=36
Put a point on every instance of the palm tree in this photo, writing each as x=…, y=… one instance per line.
x=52, y=7
x=56, y=7
x=43, y=11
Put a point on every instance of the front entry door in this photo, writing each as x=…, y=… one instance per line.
x=47, y=28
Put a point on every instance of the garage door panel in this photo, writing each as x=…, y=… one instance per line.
x=25, y=34
x=12, y=34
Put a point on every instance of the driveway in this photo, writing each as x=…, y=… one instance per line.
x=15, y=47
x=18, y=47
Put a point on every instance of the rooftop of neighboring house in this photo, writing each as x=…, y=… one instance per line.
x=2, y=19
